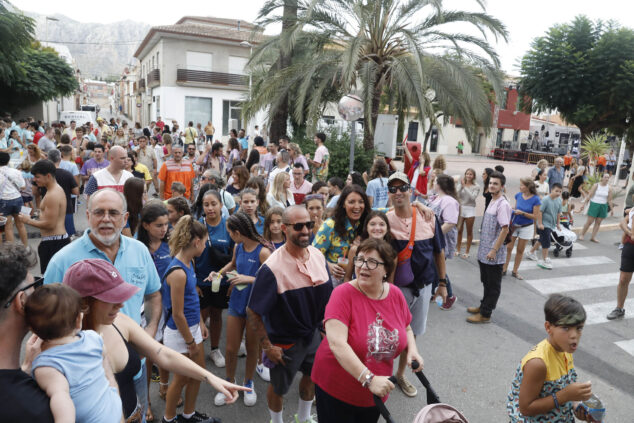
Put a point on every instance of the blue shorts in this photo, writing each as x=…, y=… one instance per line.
x=544, y=237
x=235, y=313
x=8, y=207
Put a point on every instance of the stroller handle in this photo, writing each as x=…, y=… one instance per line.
x=381, y=406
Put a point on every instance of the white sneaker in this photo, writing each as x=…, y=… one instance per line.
x=544, y=264
x=549, y=261
x=531, y=256
x=217, y=358
x=242, y=352
x=263, y=372
x=250, y=398
x=219, y=399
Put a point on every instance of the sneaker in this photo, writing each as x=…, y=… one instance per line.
x=217, y=358
x=220, y=399
x=264, y=372
x=197, y=418
x=449, y=303
x=311, y=419
x=548, y=261
x=531, y=256
x=242, y=352
x=617, y=313
x=544, y=265
x=250, y=398
x=407, y=388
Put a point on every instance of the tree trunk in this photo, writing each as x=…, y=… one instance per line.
x=400, y=128
x=368, y=133
x=279, y=121
x=427, y=135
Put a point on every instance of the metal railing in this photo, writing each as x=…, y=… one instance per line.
x=209, y=77
x=153, y=78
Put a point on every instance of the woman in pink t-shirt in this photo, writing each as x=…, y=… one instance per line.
x=367, y=325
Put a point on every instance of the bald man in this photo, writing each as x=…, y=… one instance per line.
x=113, y=176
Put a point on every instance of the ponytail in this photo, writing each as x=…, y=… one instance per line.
x=185, y=231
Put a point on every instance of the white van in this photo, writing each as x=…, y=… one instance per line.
x=79, y=116
x=93, y=108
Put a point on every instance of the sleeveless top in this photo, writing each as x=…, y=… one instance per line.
x=247, y=263
x=191, y=304
x=125, y=378
x=601, y=194
x=560, y=372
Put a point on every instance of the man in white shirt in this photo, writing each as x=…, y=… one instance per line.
x=11, y=182
x=113, y=176
x=283, y=158
x=300, y=187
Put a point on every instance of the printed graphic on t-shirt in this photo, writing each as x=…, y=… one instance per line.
x=382, y=343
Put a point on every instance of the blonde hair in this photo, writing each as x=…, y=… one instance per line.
x=185, y=231
x=542, y=162
x=277, y=189
x=440, y=163
x=295, y=147
x=26, y=165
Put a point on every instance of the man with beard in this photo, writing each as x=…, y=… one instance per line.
x=286, y=308
x=107, y=214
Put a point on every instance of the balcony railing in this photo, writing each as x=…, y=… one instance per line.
x=141, y=85
x=207, y=77
x=154, y=78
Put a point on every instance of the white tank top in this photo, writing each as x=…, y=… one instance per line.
x=601, y=194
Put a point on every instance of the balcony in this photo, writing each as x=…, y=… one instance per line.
x=153, y=78
x=141, y=85
x=202, y=77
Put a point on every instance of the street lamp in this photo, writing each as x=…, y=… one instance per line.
x=350, y=108
x=248, y=45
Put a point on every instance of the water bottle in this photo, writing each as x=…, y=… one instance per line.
x=439, y=301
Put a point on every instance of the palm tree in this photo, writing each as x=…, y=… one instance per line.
x=369, y=46
x=594, y=146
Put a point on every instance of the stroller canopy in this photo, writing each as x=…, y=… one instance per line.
x=439, y=413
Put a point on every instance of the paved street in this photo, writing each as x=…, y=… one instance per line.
x=471, y=367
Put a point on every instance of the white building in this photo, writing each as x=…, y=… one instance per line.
x=194, y=71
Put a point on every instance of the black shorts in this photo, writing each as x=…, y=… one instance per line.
x=300, y=356
x=48, y=247
x=544, y=237
x=627, y=258
x=333, y=410
x=214, y=299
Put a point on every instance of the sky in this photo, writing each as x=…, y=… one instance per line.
x=524, y=20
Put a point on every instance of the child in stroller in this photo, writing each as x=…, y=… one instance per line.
x=565, y=237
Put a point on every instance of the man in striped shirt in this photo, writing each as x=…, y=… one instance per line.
x=113, y=176
x=176, y=169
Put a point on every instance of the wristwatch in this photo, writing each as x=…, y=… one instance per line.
x=367, y=379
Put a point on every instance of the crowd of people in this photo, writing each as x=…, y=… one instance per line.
x=322, y=276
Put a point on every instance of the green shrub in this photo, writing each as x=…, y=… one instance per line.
x=338, y=144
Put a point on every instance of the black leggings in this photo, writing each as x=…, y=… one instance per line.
x=332, y=410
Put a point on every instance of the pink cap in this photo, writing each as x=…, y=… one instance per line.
x=99, y=279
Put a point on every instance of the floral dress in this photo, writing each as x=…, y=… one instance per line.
x=332, y=244
x=560, y=372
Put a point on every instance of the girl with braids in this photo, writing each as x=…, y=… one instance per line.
x=273, y=227
x=249, y=204
x=183, y=332
x=217, y=253
x=248, y=255
x=152, y=233
x=257, y=184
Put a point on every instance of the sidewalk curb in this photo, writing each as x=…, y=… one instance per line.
x=603, y=228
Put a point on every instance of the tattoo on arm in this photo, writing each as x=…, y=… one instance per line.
x=159, y=350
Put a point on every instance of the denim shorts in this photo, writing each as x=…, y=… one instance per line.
x=8, y=207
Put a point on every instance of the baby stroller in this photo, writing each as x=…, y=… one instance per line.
x=563, y=238
x=434, y=412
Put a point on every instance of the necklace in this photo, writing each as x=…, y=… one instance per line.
x=363, y=292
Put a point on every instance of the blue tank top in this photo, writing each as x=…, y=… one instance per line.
x=191, y=306
x=161, y=258
x=247, y=263
x=279, y=244
x=218, y=238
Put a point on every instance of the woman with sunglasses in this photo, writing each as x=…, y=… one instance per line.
x=367, y=325
x=338, y=233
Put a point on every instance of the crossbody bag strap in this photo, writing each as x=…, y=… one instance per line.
x=406, y=252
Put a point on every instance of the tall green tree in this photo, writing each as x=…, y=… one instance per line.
x=411, y=46
x=16, y=34
x=584, y=70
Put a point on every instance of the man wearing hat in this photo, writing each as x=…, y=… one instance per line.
x=420, y=244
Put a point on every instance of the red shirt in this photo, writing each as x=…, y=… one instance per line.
x=37, y=137
x=376, y=333
x=161, y=125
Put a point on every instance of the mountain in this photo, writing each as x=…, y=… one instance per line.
x=100, y=50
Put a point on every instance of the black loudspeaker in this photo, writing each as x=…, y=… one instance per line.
x=523, y=146
x=412, y=131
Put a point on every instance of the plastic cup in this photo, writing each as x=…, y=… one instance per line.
x=215, y=283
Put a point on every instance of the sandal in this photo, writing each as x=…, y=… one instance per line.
x=464, y=256
x=517, y=276
x=503, y=272
x=149, y=417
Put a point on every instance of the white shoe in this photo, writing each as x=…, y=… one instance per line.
x=549, y=261
x=263, y=372
x=531, y=256
x=219, y=399
x=217, y=358
x=250, y=398
x=242, y=352
x=544, y=264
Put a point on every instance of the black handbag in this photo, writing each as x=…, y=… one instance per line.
x=216, y=257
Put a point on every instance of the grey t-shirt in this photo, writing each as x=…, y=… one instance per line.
x=550, y=208
x=46, y=144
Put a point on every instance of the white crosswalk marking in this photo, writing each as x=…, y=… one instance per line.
x=575, y=247
x=596, y=312
x=574, y=283
x=568, y=262
x=628, y=346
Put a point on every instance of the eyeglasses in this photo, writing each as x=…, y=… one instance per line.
x=35, y=284
x=402, y=188
x=300, y=225
x=101, y=213
x=370, y=264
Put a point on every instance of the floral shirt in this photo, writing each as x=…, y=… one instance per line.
x=332, y=244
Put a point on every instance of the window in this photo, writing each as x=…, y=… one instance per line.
x=505, y=100
x=516, y=135
x=198, y=110
x=237, y=65
x=152, y=62
x=498, y=140
x=231, y=110
x=199, y=61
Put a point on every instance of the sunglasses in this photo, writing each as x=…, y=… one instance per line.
x=35, y=284
x=402, y=188
x=300, y=225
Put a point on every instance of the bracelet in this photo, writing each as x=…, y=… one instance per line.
x=189, y=343
x=442, y=285
x=365, y=369
x=368, y=380
x=555, y=399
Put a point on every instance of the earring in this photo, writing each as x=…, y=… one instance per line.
x=385, y=278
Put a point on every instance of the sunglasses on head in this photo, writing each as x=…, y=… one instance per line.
x=300, y=225
x=402, y=188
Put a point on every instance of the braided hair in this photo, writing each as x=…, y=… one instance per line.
x=242, y=223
